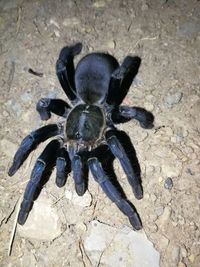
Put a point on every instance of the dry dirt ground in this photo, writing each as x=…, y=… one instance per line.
x=166, y=35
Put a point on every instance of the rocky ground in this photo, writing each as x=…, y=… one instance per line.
x=63, y=229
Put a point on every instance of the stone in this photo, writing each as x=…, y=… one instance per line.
x=191, y=258
x=99, y=4
x=168, y=184
x=119, y=247
x=159, y=210
x=54, y=22
x=164, y=218
x=26, y=97
x=144, y=6
x=175, y=253
x=111, y=44
x=183, y=252
x=189, y=29
x=82, y=201
x=173, y=99
x=81, y=227
x=171, y=167
x=163, y=243
x=148, y=106
x=70, y=22
x=43, y=221
x=14, y=107
x=153, y=197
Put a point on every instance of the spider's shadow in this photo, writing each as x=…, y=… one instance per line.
x=106, y=158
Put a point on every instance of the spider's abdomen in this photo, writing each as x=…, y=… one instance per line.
x=85, y=123
x=92, y=77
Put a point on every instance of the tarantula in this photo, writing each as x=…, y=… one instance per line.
x=87, y=138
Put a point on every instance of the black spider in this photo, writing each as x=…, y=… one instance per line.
x=88, y=139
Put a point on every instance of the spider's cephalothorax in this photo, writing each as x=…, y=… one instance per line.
x=88, y=138
x=85, y=124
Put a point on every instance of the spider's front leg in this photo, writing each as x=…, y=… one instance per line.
x=125, y=113
x=57, y=106
x=121, y=80
x=39, y=176
x=30, y=142
x=110, y=190
x=65, y=70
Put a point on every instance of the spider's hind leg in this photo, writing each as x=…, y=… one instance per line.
x=65, y=70
x=122, y=79
x=111, y=191
x=47, y=105
x=132, y=173
x=39, y=176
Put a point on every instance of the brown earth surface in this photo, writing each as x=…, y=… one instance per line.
x=166, y=35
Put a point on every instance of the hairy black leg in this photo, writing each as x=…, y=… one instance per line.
x=65, y=69
x=119, y=152
x=80, y=171
x=121, y=80
x=110, y=190
x=39, y=177
x=47, y=105
x=63, y=167
x=31, y=141
x=125, y=113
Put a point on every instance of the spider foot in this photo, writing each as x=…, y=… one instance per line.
x=80, y=189
x=135, y=221
x=63, y=167
x=71, y=51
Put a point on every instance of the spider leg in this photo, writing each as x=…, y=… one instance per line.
x=31, y=141
x=121, y=80
x=39, y=176
x=80, y=171
x=65, y=70
x=110, y=190
x=125, y=113
x=63, y=167
x=119, y=152
x=47, y=105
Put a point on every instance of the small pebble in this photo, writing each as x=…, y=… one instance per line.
x=168, y=183
x=153, y=197
x=175, y=253
x=99, y=4
x=144, y=7
x=164, y=218
x=183, y=252
x=70, y=22
x=163, y=242
x=173, y=99
x=149, y=106
x=159, y=210
x=191, y=258
x=111, y=44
